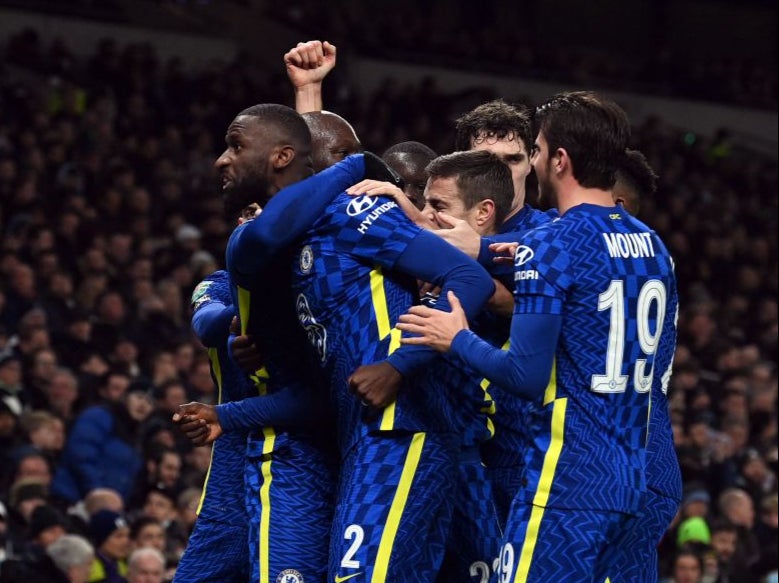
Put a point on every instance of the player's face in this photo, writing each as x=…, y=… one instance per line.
x=244, y=165
x=513, y=153
x=542, y=166
x=443, y=196
x=414, y=177
x=335, y=147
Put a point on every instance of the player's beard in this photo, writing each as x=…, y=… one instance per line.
x=252, y=188
x=547, y=192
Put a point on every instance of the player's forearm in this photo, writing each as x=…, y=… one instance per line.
x=526, y=367
x=308, y=98
x=287, y=407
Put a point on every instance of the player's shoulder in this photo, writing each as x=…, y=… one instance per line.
x=537, y=217
x=361, y=212
x=214, y=287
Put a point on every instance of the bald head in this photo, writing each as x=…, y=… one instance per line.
x=332, y=138
x=103, y=499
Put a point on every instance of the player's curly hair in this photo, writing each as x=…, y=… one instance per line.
x=494, y=119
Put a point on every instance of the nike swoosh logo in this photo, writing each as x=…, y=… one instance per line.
x=345, y=577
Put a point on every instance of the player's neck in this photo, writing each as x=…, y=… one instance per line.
x=578, y=195
x=516, y=205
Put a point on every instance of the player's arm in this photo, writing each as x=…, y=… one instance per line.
x=288, y=215
x=290, y=406
x=294, y=210
x=307, y=65
x=212, y=309
x=203, y=423
x=524, y=369
x=429, y=258
x=211, y=324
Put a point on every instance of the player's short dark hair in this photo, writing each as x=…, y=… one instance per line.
x=494, y=119
x=592, y=129
x=636, y=173
x=411, y=148
x=479, y=174
x=290, y=123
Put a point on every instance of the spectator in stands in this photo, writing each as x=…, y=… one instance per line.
x=101, y=449
x=111, y=537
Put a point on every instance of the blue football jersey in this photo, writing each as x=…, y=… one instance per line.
x=611, y=279
x=506, y=448
x=266, y=311
x=222, y=498
x=348, y=299
x=663, y=473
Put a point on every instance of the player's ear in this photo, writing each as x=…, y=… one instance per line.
x=282, y=157
x=560, y=160
x=485, y=211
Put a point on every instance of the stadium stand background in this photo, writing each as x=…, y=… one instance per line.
x=111, y=114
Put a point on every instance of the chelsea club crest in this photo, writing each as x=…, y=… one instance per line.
x=306, y=259
x=290, y=576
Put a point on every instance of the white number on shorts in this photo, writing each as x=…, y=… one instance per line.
x=506, y=563
x=355, y=533
x=481, y=570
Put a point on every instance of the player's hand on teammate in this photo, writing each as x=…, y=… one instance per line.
x=504, y=252
x=309, y=62
x=376, y=385
x=199, y=422
x=246, y=353
x=434, y=328
x=370, y=187
x=459, y=233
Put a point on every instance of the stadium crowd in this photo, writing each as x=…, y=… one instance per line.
x=109, y=219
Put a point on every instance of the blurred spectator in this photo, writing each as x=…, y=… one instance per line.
x=45, y=432
x=694, y=530
x=767, y=534
x=102, y=449
x=68, y=559
x=146, y=565
x=162, y=471
x=108, y=206
x=687, y=567
x=197, y=462
x=25, y=496
x=11, y=381
x=147, y=531
x=111, y=537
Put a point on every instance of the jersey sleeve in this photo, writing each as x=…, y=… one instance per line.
x=212, y=309
x=290, y=406
x=287, y=216
x=541, y=274
x=525, y=368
